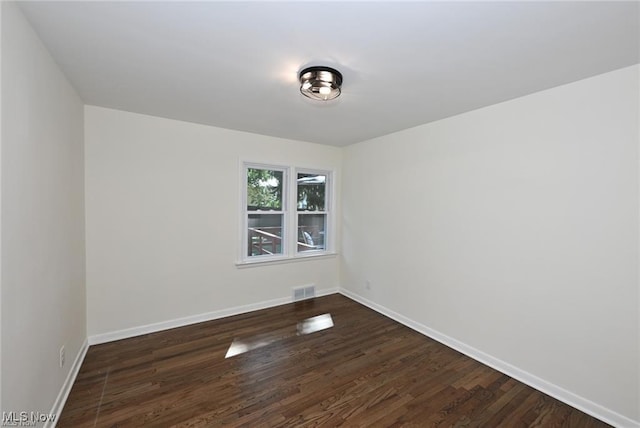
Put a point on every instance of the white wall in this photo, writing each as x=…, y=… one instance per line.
x=43, y=294
x=162, y=209
x=514, y=230
x=1, y=408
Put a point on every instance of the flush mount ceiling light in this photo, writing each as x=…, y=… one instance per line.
x=320, y=83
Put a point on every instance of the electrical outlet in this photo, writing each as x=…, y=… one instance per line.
x=62, y=356
x=367, y=284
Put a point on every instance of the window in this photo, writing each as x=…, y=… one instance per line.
x=271, y=193
x=312, y=210
x=265, y=211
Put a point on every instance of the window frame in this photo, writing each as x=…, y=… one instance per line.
x=289, y=212
x=328, y=202
x=283, y=211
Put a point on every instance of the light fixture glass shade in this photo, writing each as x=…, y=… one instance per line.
x=320, y=83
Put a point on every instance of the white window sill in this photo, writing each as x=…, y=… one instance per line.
x=284, y=260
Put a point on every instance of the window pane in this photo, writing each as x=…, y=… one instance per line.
x=265, y=234
x=311, y=192
x=311, y=231
x=264, y=189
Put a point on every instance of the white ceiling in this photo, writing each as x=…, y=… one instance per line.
x=234, y=64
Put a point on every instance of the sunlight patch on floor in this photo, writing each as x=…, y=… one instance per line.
x=307, y=326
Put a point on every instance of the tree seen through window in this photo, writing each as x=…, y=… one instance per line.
x=264, y=189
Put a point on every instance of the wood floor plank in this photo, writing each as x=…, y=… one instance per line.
x=366, y=370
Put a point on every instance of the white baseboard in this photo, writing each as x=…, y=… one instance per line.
x=587, y=406
x=61, y=399
x=194, y=319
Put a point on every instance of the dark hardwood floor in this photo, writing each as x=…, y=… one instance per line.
x=365, y=370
